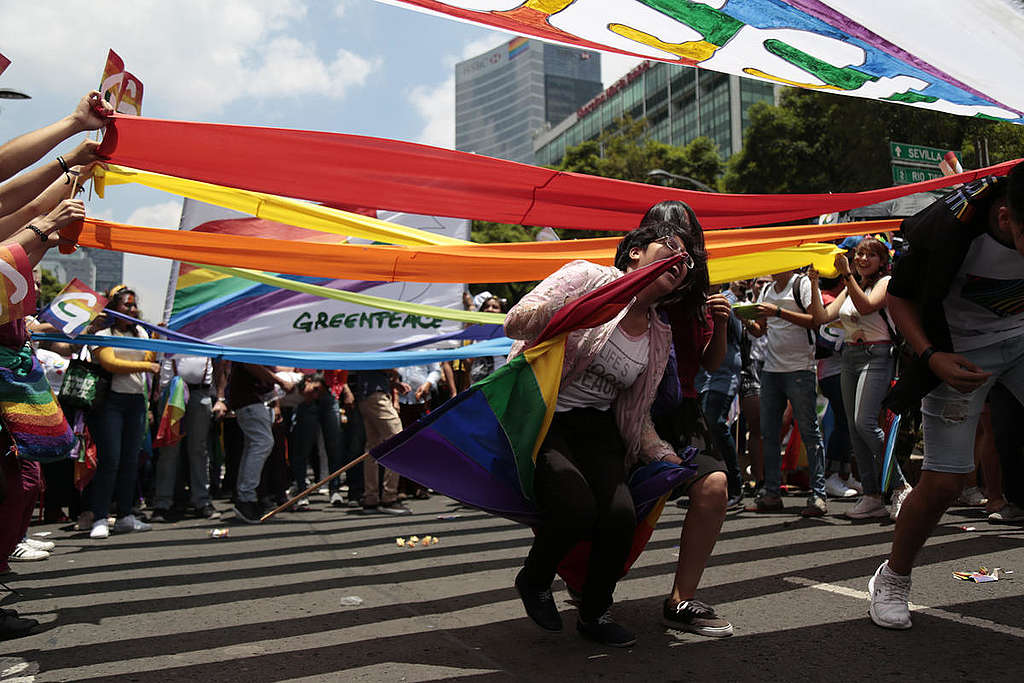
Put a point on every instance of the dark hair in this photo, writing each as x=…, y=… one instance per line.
x=1015, y=193
x=882, y=252
x=694, y=290
x=313, y=378
x=118, y=294
x=501, y=305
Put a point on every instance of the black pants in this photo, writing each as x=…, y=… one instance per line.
x=580, y=486
x=1007, y=418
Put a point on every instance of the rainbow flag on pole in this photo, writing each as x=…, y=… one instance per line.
x=174, y=399
x=481, y=446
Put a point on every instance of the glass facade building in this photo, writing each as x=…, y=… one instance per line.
x=507, y=95
x=680, y=103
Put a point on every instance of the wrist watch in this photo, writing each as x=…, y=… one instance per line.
x=927, y=354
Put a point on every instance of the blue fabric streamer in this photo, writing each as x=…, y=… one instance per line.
x=372, y=360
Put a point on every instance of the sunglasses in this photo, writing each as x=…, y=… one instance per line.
x=676, y=246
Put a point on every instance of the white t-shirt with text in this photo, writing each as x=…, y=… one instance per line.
x=617, y=365
x=985, y=303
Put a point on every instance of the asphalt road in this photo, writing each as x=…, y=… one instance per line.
x=265, y=603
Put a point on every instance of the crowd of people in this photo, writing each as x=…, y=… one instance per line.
x=729, y=384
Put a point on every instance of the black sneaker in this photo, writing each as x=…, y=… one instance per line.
x=539, y=605
x=248, y=512
x=395, y=508
x=160, y=515
x=696, y=617
x=604, y=630
x=13, y=626
x=208, y=512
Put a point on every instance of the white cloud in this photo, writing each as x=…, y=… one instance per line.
x=614, y=66
x=436, y=103
x=340, y=7
x=164, y=215
x=193, y=56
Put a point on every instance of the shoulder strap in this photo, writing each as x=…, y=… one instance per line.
x=800, y=305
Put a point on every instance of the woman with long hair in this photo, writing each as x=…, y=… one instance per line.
x=118, y=425
x=868, y=364
x=601, y=427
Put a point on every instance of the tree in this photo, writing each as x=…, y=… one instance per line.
x=485, y=232
x=817, y=142
x=49, y=287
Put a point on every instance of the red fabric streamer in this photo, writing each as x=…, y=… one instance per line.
x=347, y=169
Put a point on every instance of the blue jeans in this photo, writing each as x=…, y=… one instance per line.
x=837, y=450
x=949, y=419
x=799, y=389
x=310, y=418
x=256, y=422
x=867, y=375
x=715, y=405
x=117, y=428
x=196, y=423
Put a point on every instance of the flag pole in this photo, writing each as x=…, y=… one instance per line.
x=314, y=487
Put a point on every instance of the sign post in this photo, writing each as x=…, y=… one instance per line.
x=915, y=163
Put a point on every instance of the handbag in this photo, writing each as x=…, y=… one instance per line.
x=85, y=385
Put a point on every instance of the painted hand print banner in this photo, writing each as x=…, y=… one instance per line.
x=949, y=55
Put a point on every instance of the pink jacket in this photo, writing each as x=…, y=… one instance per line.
x=528, y=318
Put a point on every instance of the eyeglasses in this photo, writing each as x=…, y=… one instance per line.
x=676, y=246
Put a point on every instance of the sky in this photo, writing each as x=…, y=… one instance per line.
x=346, y=66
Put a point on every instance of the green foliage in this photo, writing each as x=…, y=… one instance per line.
x=485, y=232
x=817, y=142
x=49, y=287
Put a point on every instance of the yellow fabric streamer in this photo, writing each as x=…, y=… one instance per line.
x=360, y=299
x=745, y=266
x=273, y=208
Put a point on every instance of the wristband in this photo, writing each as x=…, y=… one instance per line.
x=63, y=165
x=926, y=355
x=43, y=237
x=778, y=311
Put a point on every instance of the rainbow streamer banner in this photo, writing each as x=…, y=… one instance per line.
x=17, y=288
x=174, y=399
x=74, y=308
x=481, y=447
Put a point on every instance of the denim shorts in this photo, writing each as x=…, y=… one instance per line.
x=950, y=418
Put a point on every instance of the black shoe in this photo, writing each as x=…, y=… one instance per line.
x=208, y=512
x=604, y=630
x=160, y=515
x=734, y=502
x=539, y=605
x=248, y=512
x=696, y=617
x=396, y=508
x=13, y=626
x=371, y=509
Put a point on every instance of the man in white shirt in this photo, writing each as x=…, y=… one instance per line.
x=198, y=374
x=789, y=375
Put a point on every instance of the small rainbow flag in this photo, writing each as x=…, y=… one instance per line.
x=517, y=46
x=29, y=410
x=174, y=400
x=74, y=308
x=17, y=288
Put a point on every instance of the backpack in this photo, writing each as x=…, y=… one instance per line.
x=825, y=345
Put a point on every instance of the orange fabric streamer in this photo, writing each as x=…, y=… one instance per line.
x=512, y=262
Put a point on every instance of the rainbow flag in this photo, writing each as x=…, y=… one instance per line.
x=481, y=447
x=17, y=288
x=28, y=409
x=174, y=399
x=74, y=308
x=517, y=46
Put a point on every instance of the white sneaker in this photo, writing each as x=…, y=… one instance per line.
x=890, y=598
x=852, y=482
x=867, y=507
x=837, y=488
x=338, y=499
x=971, y=497
x=128, y=523
x=26, y=553
x=99, y=529
x=1007, y=513
x=898, y=498
x=301, y=504
x=39, y=545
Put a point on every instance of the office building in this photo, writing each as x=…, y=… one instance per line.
x=679, y=102
x=96, y=268
x=506, y=95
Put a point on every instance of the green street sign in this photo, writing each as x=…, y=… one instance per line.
x=904, y=175
x=903, y=153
